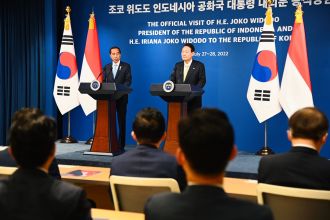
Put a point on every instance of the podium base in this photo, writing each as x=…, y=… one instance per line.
x=68, y=140
x=265, y=151
x=98, y=153
x=89, y=141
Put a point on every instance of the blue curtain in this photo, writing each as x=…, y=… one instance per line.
x=22, y=59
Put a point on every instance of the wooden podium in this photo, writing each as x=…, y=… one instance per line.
x=177, y=108
x=105, y=137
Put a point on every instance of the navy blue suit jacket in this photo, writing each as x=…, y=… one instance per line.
x=301, y=167
x=32, y=194
x=195, y=76
x=7, y=161
x=148, y=161
x=203, y=202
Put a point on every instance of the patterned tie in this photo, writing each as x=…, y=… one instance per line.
x=114, y=70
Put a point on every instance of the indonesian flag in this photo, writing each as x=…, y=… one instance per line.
x=66, y=81
x=296, y=88
x=264, y=87
x=91, y=67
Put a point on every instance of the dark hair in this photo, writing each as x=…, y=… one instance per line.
x=206, y=138
x=191, y=46
x=114, y=47
x=32, y=137
x=149, y=126
x=308, y=123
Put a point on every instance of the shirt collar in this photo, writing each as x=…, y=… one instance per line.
x=304, y=145
x=198, y=184
x=116, y=63
x=187, y=64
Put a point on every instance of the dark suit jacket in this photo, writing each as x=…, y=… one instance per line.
x=7, y=161
x=195, y=76
x=300, y=167
x=148, y=161
x=32, y=194
x=203, y=202
x=123, y=75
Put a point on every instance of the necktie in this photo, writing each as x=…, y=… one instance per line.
x=185, y=71
x=114, y=70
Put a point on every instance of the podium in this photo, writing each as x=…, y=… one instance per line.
x=177, y=108
x=105, y=137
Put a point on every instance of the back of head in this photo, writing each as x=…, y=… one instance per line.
x=31, y=137
x=149, y=126
x=206, y=138
x=308, y=123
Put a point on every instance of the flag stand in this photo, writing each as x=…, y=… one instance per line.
x=265, y=150
x=68, y=139
x=90, y=140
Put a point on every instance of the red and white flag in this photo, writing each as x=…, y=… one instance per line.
x=296, y=87
x=264, y=84
x=91, y=67
x=66, y=80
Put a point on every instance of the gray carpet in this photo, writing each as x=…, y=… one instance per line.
x=245, y=165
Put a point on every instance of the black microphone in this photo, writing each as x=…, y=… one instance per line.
x=97, y=78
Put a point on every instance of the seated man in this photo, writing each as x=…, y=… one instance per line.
x=146, y=160
x=206, y=140
x=302, y=166
x=7, y=161
x=30, y=193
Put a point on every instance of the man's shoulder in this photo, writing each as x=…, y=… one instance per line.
x=170, y=203
x=196, y=62
x=123, y=63
x=64, y=189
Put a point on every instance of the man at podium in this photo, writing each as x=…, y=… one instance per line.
x=119, y=72
x=189, y=71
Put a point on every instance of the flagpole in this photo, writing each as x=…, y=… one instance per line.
x=265, y=150
x=90, y=140
x=69, y=139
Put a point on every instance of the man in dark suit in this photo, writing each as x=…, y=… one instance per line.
x=146, y=160
x=119, y=72
x=206, y=140
x=302, y=166
x=191, y=72
x=30, y=193
x=7, y=161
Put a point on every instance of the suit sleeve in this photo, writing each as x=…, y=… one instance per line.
x=173, y=75
x=201, y=76
x=128, y=76
x=83, y=208
x=104, y=74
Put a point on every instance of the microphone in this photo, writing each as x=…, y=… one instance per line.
x=100, y=74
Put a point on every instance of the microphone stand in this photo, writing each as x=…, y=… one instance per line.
x=265, y=150
x=69, y=139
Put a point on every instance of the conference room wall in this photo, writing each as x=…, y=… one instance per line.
x=227, y=76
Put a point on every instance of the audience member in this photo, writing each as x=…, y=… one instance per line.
x=302, y=166
x=206, y=145
x=146, y=160
x=30, y=193
x=7, y=161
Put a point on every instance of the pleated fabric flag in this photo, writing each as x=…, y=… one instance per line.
x=296, y=87
x=263, y=91
x=66, y=80
x=91, y=67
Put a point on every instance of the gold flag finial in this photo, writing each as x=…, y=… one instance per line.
x=299, y=14
x=67, y=18
x=91, y=21
x=269, y=14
